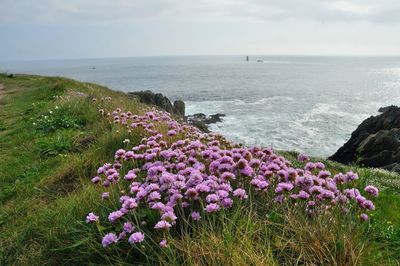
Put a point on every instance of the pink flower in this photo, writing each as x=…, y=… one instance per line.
x=136, y=238
x=240, y=193
x=163, y=243
x=91, y=217
x=105, y=195
x=128, y=227
x=303, y=157
x=195, y=216
x=162, y=225
x=372, y=190
x=212, y=207
x=108, y=239
x=364, y=217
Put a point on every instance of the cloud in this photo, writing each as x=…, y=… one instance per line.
x=49, y=11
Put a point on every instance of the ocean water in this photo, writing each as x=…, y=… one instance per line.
x=304, y=103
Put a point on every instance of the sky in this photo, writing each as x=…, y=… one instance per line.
x=64, y=29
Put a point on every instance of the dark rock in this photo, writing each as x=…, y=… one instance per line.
x=179, y=108
x=387, y=108
x=205, y=119
x=215, y=118
x=375, y=143
x=157, y=99
x=201, y=121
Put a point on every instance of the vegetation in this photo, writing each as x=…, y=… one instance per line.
x=53, y=140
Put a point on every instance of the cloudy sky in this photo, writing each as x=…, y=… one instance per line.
x=50, y=29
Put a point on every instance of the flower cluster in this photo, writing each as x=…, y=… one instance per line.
x=203, y=174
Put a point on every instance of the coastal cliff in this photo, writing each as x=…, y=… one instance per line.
x=375, y=142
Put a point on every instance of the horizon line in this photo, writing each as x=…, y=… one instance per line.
x=195, y=55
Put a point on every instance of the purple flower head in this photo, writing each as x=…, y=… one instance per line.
x=195, y=216
x=136, y=238
x=240, y=193
x=319, y=165
x=303, y=157
x=364, y=217
x=372, y=190
x=310, y=166
x=283, y=187
x=212, y=198
x=105, y=195
x=303, y=195
x=162, y=225
x=128, y=227
x=163, y=243
x=96, y=179
x=212, y=207
x=169, y=217
x=91, y=217
x=108, y=239
x=351, y=176
x=112, y=217
x=367, y=204
x=227, y=202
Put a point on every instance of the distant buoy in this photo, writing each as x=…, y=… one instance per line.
x=247, y=58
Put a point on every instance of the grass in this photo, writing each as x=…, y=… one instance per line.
x=51, y=142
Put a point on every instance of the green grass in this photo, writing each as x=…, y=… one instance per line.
x=52, y=140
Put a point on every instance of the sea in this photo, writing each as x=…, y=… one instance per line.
x=308, y=104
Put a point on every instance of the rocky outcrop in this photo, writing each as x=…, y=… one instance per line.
x=179, y=108
x=387, y=108
x=201, y=121
x=205, y=119
x=375, y=143
x=157, y=99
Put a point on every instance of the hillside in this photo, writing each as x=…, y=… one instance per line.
x=55, y=134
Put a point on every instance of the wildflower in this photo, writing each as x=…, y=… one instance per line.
x=128, y=227
x=169, y=217
x=96, y=179
x=195, y=216
x=126, y=141
x=367, y=204
x=372, y=190
x=112, y=217
x=240, y=193
x=303, y=157
x=162, y=225
x=163, y=243
x=136, y=238
x=105, y=195
x=227, y=202
x=212, y=207
x=108, y=239
x=91, y=217
x=283, y=187
x=364, y=217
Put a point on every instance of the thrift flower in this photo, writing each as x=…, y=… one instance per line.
x=136, y=238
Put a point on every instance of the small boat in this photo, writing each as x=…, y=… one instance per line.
x=260, y=61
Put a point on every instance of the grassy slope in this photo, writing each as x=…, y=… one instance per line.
x=46, y=192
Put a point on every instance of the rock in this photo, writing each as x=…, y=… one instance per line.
x=387, y=108
x=179, y=107
x=205, y=119
x=202, y=121
x=375, y=143
x=215, y=118
x=157, y=99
